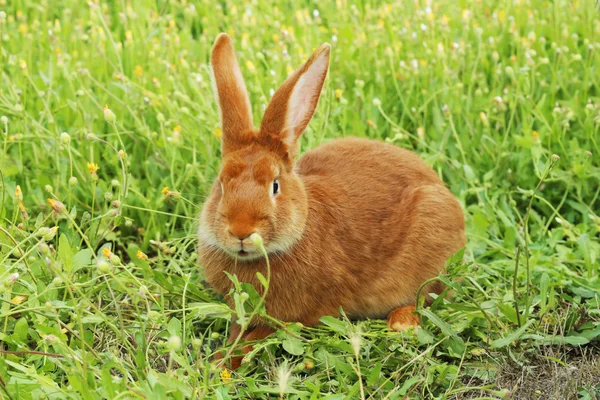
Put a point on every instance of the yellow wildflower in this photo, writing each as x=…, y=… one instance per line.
x=92, y=167
x=225, y=375
x=165, y=190
x=56, y=206
x=18, y=299
x=338, y=93
x=141, y=255
x=138, y=70
x=106, y=252
x=218, y=133
x=371, y=124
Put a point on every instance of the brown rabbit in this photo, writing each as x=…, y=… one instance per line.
x=354, y=223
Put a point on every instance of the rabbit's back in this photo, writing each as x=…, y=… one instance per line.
x=380, y=223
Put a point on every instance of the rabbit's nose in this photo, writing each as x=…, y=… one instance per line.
x=240, y=232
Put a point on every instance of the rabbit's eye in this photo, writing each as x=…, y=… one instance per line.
x=275, y=187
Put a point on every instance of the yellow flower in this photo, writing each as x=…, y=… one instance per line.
x=338, y=93
x=177, y=128
x=141, y=255
x=18, y=299
x=138, y=70
x=225, y=375
x=56, y=206
x=165, y=190
x=536, y=136
x=218, y=133
x=92, y=167
x=371, y=124
x=250, y=66
x=106, y=252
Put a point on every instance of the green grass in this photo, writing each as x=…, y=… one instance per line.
x=113, y=304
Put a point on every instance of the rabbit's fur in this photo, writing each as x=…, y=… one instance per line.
x=356, y=223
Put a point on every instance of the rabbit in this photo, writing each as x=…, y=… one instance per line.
x=354, y=223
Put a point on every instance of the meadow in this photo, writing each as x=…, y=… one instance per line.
x=110, y=141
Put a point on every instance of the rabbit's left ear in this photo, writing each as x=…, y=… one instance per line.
x=294, y=103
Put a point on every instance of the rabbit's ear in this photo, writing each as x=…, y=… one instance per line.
x=294, y=103
x=232, y=97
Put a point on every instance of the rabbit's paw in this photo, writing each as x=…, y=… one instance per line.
x=402, y=318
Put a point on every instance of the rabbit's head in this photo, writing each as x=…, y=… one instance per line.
x=257, y=190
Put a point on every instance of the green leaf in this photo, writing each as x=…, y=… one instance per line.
x=294, y=346
x=82, y=258
x=374, y=376
x=65, y=253
x=335, y=324
x=20, y=332
x=437, y=321
x=92, y=319
x=409, y=383
x=209, y=310
x=511, y=337
x=544, y=284
x=262, y=280
x=572, y=340
x=174, y=327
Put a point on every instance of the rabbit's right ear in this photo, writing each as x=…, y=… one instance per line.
x=232, y=97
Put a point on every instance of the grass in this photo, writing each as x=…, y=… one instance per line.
x=101, y=293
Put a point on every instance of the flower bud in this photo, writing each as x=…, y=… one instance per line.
x=57, y=206
x=8, y=282
x=256, y=240
x=174, y=343
x=18, y=194
x=47, y=233
x=72, y=181
x=376, y=102
x=65, y=138
x=43, y=248
x=114, y=259
x=109, y=116
x=103, y=267
x=484, y=119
